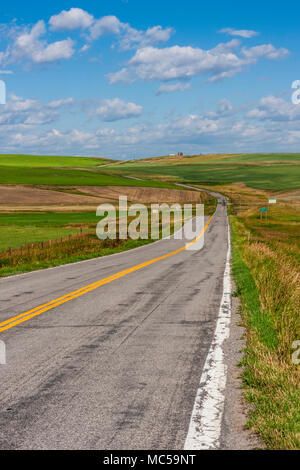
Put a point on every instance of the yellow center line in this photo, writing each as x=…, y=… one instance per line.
x=5, y=325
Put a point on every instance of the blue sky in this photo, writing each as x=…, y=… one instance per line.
x=130, y=79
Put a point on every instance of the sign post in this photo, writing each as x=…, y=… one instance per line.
x=263, y=210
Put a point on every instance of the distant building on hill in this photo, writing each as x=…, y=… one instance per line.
x=180, y=154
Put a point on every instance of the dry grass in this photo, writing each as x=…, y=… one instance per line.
x=267, y=267
x=57, y=252
x=267, y=275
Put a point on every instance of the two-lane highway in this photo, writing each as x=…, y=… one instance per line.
x=114, y=364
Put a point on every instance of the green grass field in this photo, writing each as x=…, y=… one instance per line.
x=23, y=228
x=266, y=171
x=40, y=161
x=273, y=172
x=48, y=219
x=69, y=177
x=63, y=171
x=14, y=236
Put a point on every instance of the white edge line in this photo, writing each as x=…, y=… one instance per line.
x=206, y=420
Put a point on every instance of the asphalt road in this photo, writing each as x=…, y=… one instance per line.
x=117, y=367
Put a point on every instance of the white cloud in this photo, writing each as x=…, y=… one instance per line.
x=60, y=103
x=84, y=48
x=75, y=18
x=225, y=47
x=223, y=130
x=29, y=45
x=106, y=132
x=128, y=37
x=174, y=87
x=176, y=62
x=55, y=51
x=28, y=112
x=275, y=109
x=53, y=140
x=116, y=109
x=105, y=25
x=243, y=33
x=264, y=50
x=133, y=38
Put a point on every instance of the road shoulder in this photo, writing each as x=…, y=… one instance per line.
x=234, y=434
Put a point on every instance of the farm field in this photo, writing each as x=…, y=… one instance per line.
x=62, y=198
x=40, y=161
x=30, y=241
x=47, y=198
x=68, y=177
x=268, y=171
x=63, y=171
x=22, y=228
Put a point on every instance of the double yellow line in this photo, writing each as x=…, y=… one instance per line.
x=5, y=325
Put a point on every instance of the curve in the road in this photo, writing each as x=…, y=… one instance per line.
x=25, y=316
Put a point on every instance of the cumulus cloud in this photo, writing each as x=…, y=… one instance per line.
x=53, y=140
x=60, y=103
x=29, y=112
x=128, y=37
x=105, y=25
x=18, y=110
x=106, y=132
x=116, y=109
x=267, y=51
x=55, y=51
x=75, y=18
x=225, y=47
x=29, y=45
x=224, y=129
x=243, y=33
x=275, y=109
x=176, y=62
x=173, y=87
x=133, y=38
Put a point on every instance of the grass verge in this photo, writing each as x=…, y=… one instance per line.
x=69, y=251
x=267, y=282
x=32, y=241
